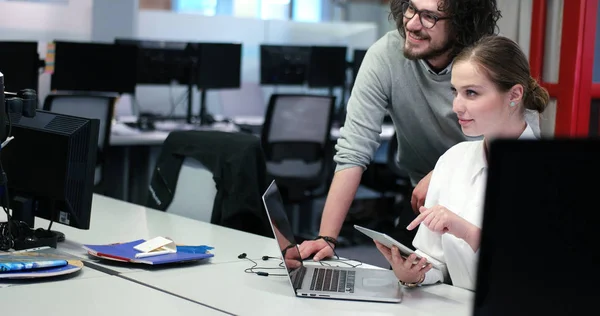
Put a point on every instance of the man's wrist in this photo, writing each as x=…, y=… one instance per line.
x=331, y=240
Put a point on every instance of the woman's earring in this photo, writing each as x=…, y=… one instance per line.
x=512, y=103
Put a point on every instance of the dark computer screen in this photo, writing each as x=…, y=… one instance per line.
x=539, y=232
x=20, y=63
x=94, y=67
x=327, y=67
x=284, y=65
x=359, y=55
x=219, y=65
x=160, y=62
x=51, y=162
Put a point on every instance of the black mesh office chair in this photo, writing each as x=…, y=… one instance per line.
x=89, y=106
x=296, y=138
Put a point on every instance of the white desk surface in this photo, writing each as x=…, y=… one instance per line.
x=273, y=295
x=108, y=295
x=125, y=136
x=117, y=221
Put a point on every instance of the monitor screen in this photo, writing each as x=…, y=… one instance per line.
x=539, y=231
x=51, y=163
x=327, y=67
x=282, y=231
x=159, y=62
x=284, y=65
x=20, y=64
x=94, y=67
x=219, y=66
x=359, y=55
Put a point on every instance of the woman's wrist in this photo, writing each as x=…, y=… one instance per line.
x=472, y=237
x=418, y=282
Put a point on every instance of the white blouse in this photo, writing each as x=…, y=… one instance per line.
x=457, y=183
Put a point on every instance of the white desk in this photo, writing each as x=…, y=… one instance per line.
x=108, y=295
x=217, y=285
x=124, y=136
x=117, y=221
x=214, y=283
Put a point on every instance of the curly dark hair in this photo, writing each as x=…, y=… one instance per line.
x=470, y=19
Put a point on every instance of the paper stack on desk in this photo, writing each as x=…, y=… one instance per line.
x=135, y=252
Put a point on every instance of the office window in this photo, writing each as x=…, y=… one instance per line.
x=204, y=7
x=275, y=9
x=307, y=10
x=246, y=8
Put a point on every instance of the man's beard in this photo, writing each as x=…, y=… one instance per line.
x=430, y=53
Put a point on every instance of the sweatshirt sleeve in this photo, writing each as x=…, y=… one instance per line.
x=367, y=106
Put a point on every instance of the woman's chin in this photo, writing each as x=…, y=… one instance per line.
x=470, y=132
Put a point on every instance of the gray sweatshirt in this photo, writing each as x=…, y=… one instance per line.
x=418, y=100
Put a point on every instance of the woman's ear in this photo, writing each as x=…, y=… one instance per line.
x=515, y=94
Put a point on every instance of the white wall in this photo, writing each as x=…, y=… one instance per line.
x=44, y=22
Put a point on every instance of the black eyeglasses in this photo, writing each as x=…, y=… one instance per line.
x=427, y=18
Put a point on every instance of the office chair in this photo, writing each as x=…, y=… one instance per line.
x=89, y=106
x=212, y=176
x=296, y=139
x=194, y=179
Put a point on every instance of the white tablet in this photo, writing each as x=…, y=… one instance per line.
x=389, y=242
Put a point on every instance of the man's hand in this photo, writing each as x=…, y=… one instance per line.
x=319, y=247
x=420, y=192
x=441, y=220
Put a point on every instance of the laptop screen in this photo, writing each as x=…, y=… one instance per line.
x=283, y=231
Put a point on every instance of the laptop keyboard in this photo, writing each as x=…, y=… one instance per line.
x=332, y=280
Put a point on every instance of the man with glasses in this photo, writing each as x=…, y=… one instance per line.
x=406, y=73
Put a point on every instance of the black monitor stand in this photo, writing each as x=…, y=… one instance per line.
x=23, y=210
x=204, y=118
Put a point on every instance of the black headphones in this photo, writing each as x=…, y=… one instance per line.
x=261, y=273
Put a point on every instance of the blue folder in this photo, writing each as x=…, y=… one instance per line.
x=125, y=252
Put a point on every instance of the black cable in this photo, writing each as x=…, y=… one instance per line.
x=9, y=126
x=337, y=259
x=175, y=104
x=256, y=267
x=6, y=237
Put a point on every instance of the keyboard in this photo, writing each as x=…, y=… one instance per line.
x=333, y=280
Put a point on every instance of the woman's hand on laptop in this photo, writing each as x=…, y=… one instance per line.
x=404, y=269
x=320, y=248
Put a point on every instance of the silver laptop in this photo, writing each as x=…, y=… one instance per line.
x=321, y=281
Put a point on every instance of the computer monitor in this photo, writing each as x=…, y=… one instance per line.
x=20, y=63
x=160, y=62
x=327, y=67
x=284, y=65
x=539, y=238
x=219, y=65
x=50, y=167
x=359, y=55
x=94, y=67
